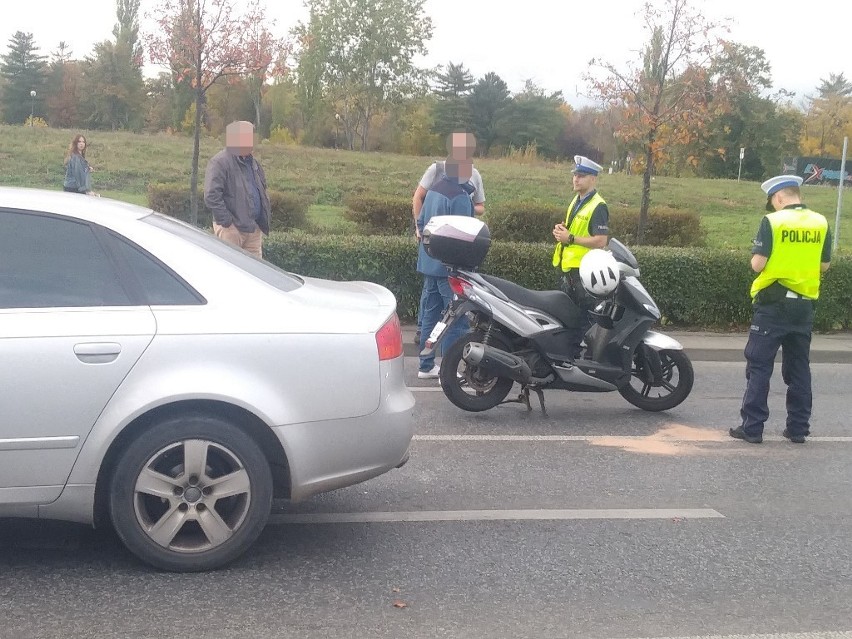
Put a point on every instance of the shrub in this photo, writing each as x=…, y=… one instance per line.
x=35, y=122
x=527, y=154
x=173, y=199
x=531, y=221
x=665, y=227
x=283, y=135
x=379, y=215
x=288, y=210
x=524, y=221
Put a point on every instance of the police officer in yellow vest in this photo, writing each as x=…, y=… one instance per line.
x=791, y=250
x=586, y=227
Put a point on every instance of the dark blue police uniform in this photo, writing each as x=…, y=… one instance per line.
x=782, y=318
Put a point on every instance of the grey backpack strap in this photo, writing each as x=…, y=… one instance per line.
x=440, y=171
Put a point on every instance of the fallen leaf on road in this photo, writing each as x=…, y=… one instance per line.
x=400, y=604
x=396, y=590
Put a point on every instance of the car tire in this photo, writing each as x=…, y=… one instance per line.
x=176, y=515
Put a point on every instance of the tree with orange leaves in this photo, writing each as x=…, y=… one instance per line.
x=664, y=99
x=203, y=41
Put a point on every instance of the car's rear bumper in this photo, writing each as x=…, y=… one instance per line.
x=331, y=454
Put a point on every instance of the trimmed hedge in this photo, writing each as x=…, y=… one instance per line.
x=288, y=210
x=696, y=288
x=525, y=221
x=379, y=215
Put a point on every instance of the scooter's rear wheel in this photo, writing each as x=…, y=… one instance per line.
x=665, y=393
x=468, y=387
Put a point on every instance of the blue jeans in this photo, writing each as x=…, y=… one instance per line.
x=420, y=308
x=436, y=297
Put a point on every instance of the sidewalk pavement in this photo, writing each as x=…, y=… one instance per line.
x=834, y=348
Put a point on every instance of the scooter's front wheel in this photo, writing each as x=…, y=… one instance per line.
x=667, y=388
x=469, y=387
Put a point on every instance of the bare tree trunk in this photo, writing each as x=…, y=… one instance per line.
x=193, y=184
x=646, y=189
x=365, y=130
x=256, y=99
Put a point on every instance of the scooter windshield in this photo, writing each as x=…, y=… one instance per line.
x=622, y=254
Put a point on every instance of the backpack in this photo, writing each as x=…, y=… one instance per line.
x=444, y=197
x=450, y=197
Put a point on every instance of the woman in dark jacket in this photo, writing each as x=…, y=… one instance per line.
x=78, y=172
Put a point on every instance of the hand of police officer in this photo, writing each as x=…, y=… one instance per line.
x=561, y=234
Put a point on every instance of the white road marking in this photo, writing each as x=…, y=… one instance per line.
x=842, y=634
x=594, y=438
x=495, y=515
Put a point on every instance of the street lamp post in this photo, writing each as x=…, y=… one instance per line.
x=32, y=107
x=742, y=155
x=336, y=129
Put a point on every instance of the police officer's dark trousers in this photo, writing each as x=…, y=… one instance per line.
x=571, y=284
x=785, y=324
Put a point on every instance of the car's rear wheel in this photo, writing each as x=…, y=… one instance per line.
x=190, y=494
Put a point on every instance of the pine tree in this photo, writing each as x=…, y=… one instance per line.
x=452, y=112
x=24, y=70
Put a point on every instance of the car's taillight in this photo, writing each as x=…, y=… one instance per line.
x=389, y=339
x=458, y=286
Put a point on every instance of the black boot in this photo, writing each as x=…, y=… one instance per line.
x=796, y=439
x=739, y=433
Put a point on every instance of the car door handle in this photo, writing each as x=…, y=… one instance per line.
x=97, y=352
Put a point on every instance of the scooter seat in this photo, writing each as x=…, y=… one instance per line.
x=555, y=303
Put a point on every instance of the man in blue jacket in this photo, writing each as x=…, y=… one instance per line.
x=448, y=195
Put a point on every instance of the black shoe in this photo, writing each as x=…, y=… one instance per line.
x=739, y=433
x=796, y=439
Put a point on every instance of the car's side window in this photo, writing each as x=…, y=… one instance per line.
x=48, y=261
x=160, y=286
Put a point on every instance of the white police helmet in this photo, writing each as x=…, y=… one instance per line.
x=599, y=272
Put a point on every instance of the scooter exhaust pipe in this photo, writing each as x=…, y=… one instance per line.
x=497, y=362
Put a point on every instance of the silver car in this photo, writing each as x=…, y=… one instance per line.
x=154, y=378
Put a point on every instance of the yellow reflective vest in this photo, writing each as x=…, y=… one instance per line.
x=798, y=236
x=569, y=255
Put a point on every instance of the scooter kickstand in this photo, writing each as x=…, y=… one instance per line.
x=540, y=394
x=524, y=398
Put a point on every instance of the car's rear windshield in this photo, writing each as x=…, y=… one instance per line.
x=264, y=271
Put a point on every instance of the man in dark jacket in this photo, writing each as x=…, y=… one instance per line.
x=235, y=191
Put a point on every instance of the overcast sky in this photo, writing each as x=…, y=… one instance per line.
x=548, y=41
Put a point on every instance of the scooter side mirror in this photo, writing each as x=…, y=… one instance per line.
x=626, y=269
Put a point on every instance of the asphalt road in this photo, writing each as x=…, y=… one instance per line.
x=596, y=520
